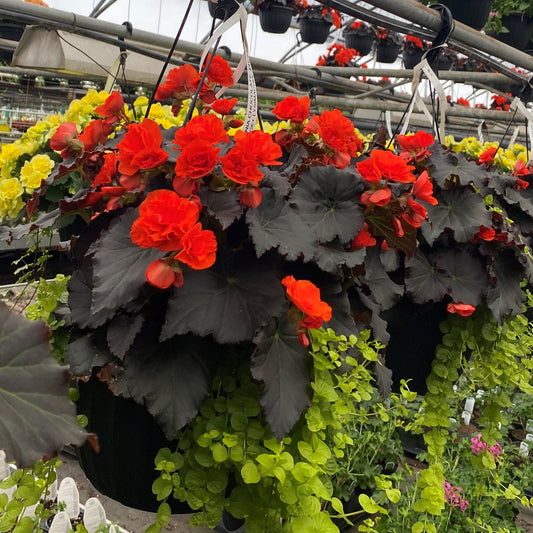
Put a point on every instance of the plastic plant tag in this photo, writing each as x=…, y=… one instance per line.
x=466, y=417
x=113, y=529
x=68, y=493
x=94, y=515
x=469, y=405
x=529, y=426
x=29, y=511
x=529, y=437
x=524, y=449
x=60, y=523
x=4, y=468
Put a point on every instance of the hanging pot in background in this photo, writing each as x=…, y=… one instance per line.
x=223, y=9
x=387, y=53
x=129, y=439
x=275, y=18
x=410, y=59
x=473, y=13
x=361, y=43
x=520, y=28
x=314, y=31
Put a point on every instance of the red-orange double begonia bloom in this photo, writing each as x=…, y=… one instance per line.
x=362, y=239
x=198, y=248
x=306, y=297
x=112, y=107
x=338, y=132
x=413, y=143
x=463, y=102
x=65, y=140
x=293, y=108
x=224, y=106
x=140, y=149
x=241, y=163
x=520, y=169
x=95, y=133
x=108, y=170
x=197, y=159
x=391, y=167
x=219, y=71
x=208, y=128
x=369, y=170
x=164, y=218
x=181, y=83
x=460, y=308
x=423, y=189
x=487, y=157
x=379, y=197
x=486, y=234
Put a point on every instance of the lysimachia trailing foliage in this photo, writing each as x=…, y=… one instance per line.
x=192, y=223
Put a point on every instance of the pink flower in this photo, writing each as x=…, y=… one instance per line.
x=477, y=445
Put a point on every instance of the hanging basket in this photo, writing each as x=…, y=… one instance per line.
x=129, y=439
x=314, y=31
x=362, y=43
x=411, y=59
x=520, y=28
x=223, y=9
x=275, y=18
x=473, y=13
x=387, y=53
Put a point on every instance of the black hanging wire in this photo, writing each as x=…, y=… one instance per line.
x=509, y=123
x=447, y=25
x=122, y=67
x=169, y=56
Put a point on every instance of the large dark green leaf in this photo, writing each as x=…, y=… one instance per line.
x=119, y=265
x=331, y=257
x=37, y=416
x=424, y=281
x=342, y=321
x=230, y=300
x=467, y=275
x=447, y=165
x=170, y=378
x=283, y=365
x=327, y=199
x=524, y=198
x=43, y=220
x=385, y=292
x=223, y=205
x=379, y=326
x=459, y=210
x=504, y=296
x=122, y=331
x=275, y=225
x=381, y=221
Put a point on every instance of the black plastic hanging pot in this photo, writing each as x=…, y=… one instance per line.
x=223, y=9
x=129, y=439
x=473, y=13
x=361, y=43
x=314, y=31
x=275, y=18
x=520, y=28
x=387, y=53
x=411, y=59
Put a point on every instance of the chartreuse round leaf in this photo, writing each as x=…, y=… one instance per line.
x=25, y=525
x=369, y=505
x=250, y=473
x=162, y=488
x=418, y=527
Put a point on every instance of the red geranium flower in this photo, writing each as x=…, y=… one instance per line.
x=423, y=189
x=219, y=71
x=141, y=148
x=293, y=108
x=306, y=297
x=197, y=159
x=208, y=128
x=164, y=218
x=198, y=248
x=460, y=309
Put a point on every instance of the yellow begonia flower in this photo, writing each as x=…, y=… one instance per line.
x=36, y=170
x=10, y=189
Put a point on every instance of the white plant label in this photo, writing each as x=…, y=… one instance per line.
x=94, y=515
x=524, y=449
x=4, y=468
x=529, y=426
x=68, y=493
x=60, y=523
x=52, y=492
x=469, y=405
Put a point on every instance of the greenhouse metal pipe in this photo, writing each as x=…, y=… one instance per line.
x=429, y=18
